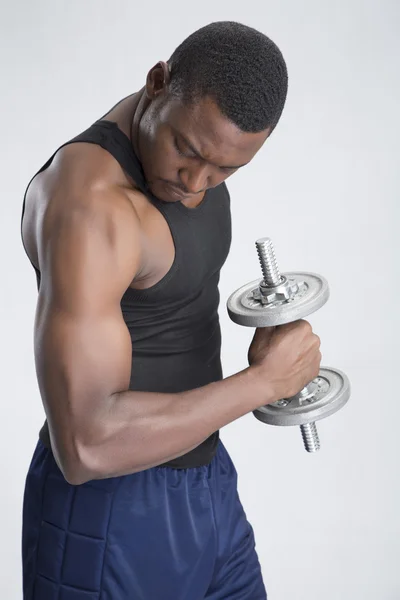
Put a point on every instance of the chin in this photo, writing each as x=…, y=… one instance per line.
x=160, y=194
x=163, y=191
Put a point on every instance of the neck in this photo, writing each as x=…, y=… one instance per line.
x=139, y=109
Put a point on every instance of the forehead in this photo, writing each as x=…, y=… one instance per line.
x=211, y=132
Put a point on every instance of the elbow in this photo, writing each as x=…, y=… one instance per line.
x=75, y=472
x=76, y=475
x=73, y=465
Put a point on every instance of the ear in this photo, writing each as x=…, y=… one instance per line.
x=157, y=81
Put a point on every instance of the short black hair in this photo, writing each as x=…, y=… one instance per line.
x=240, y=68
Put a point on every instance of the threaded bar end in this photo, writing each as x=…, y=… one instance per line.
x=310, y=437
x=269, y=266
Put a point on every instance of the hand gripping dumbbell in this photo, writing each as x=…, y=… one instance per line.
x=283, y=298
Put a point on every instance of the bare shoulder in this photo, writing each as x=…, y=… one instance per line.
x=81, y=166
x=84, y=189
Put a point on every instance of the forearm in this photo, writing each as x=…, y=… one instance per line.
x=141, y=430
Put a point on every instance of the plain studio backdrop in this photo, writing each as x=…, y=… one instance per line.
x=323, y=188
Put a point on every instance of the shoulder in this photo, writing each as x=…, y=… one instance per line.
x=81, y=189
x=83, y=177
x=84, y=166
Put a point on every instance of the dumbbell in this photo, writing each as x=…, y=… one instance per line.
x=275, y=300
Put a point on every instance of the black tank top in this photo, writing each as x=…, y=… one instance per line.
x=174, y=325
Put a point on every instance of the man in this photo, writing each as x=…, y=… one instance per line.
x=130, y=493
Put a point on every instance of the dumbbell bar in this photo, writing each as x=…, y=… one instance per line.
x=275, y=300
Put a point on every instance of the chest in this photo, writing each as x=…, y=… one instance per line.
x=185, y=248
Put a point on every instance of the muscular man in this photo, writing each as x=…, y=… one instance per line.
x=130, y=494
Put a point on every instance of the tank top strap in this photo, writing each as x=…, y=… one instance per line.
x=110, y=137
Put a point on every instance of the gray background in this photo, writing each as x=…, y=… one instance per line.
x=323, y=187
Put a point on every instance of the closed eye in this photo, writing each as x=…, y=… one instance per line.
x=228, y=169
x=179, y=151
x=192, y=154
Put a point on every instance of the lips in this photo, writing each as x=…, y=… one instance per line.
x=176, y=192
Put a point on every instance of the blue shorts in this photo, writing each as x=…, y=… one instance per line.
x=161, y=534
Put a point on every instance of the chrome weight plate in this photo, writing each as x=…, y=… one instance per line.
x=244, y=309
x=329, y=392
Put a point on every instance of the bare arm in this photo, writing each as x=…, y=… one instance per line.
x=83, y=353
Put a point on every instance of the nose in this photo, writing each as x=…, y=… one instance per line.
x=195, y=179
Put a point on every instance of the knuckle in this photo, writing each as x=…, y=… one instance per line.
x=306, y=325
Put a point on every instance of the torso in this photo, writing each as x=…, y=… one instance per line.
x=174, y=326
x=82, y=165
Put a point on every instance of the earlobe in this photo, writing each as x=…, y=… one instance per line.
x=157, y=81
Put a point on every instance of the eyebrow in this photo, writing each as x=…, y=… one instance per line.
x=198, y=154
